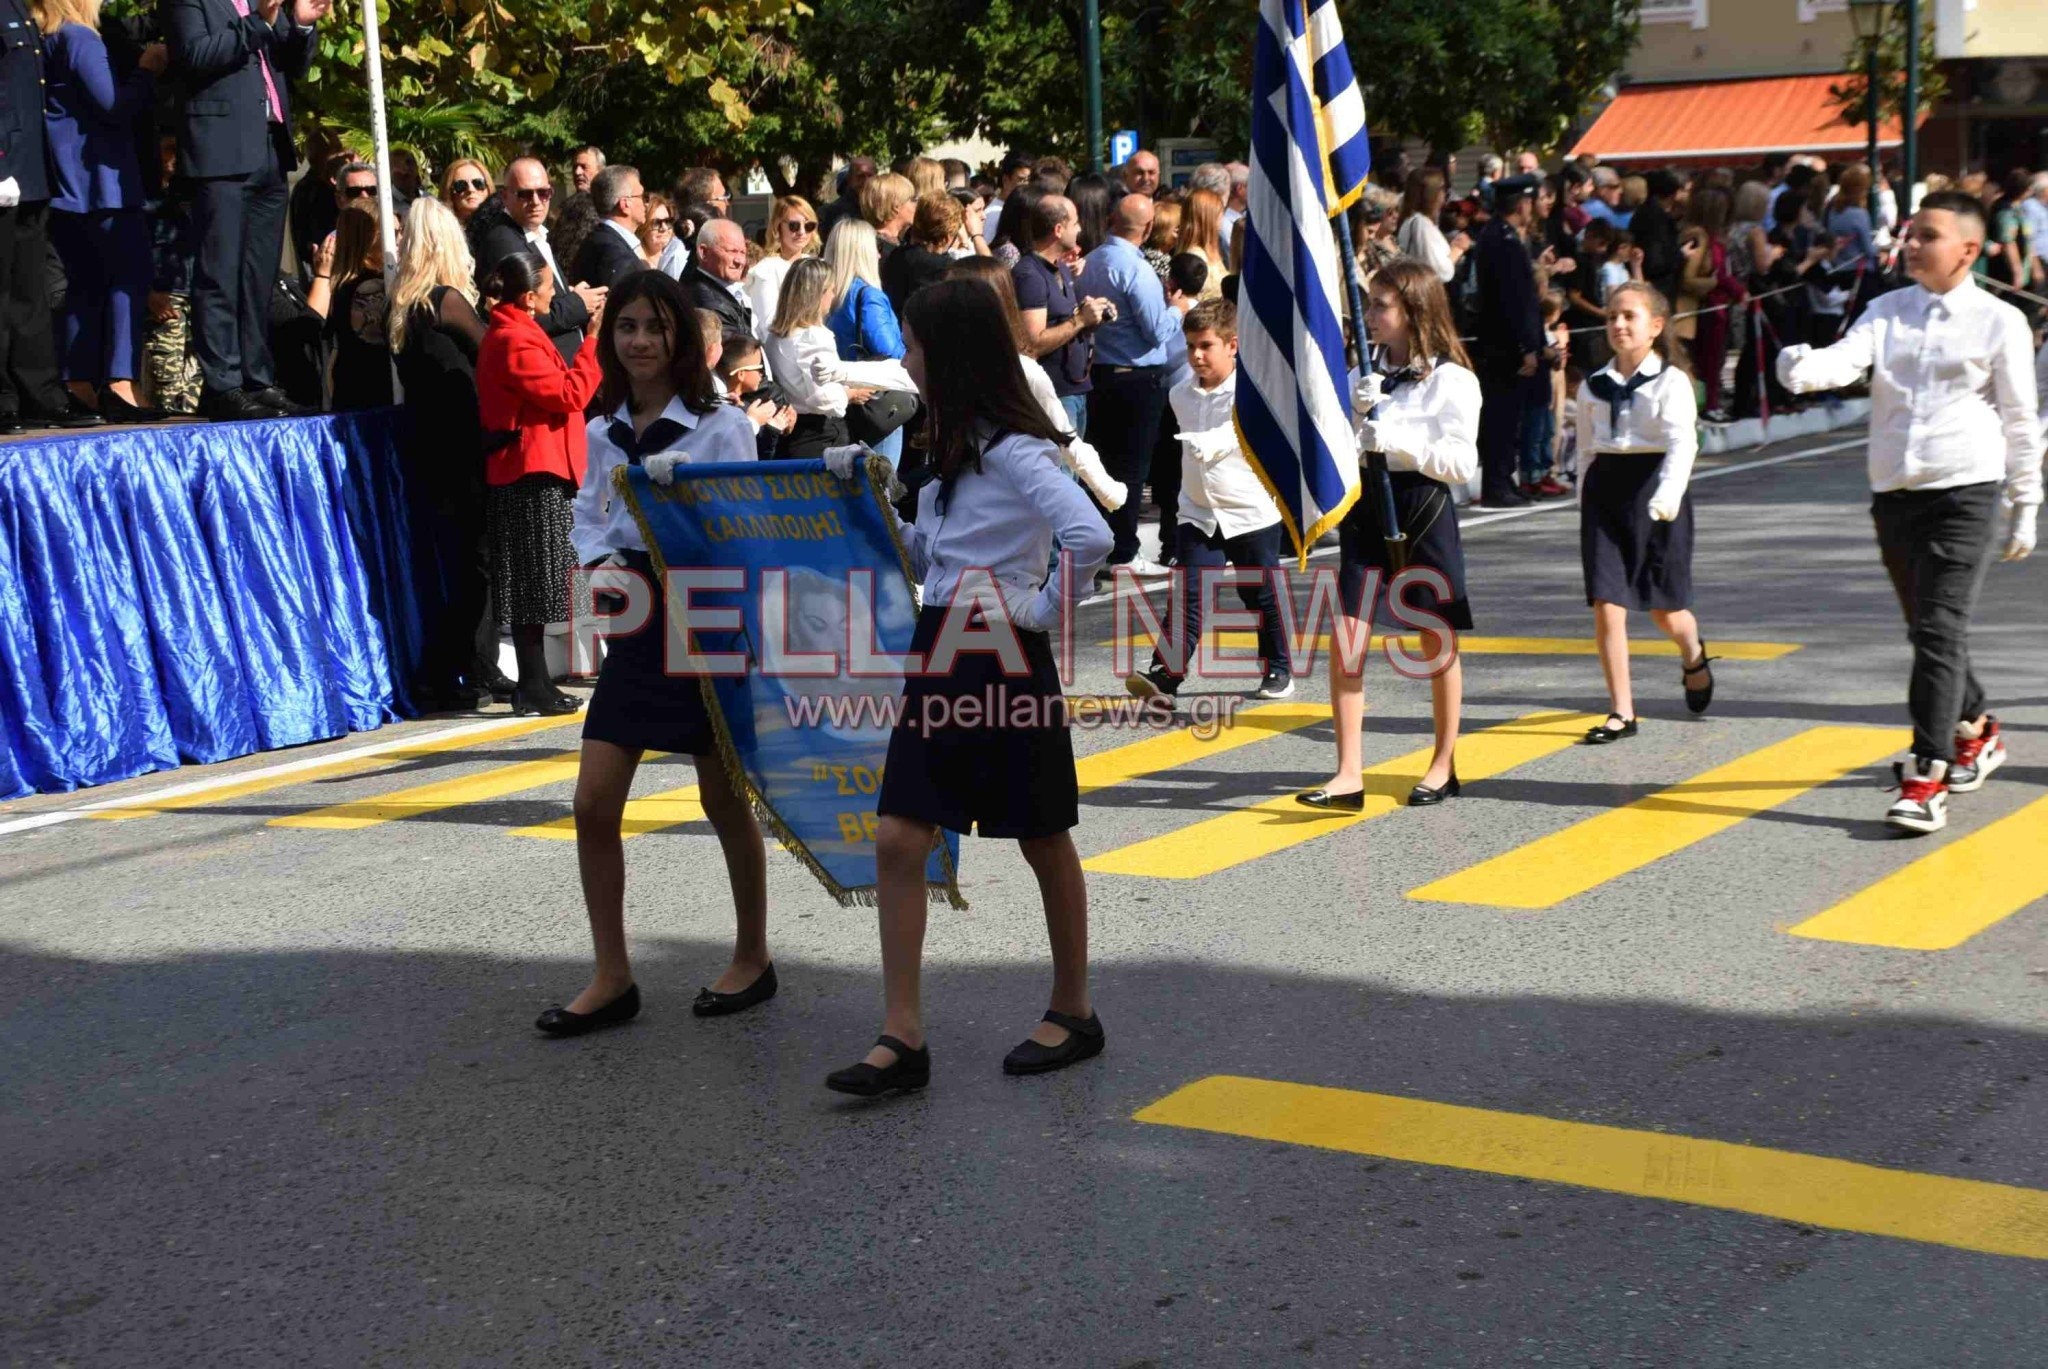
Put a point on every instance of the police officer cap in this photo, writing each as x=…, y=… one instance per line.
x=1506, y=192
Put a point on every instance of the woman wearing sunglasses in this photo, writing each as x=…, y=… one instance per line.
x=464, y=188
x=792, y=232
x=657, y=231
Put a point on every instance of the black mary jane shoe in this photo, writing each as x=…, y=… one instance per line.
x=1422, y=796
x=1085, y=1038
x=710, y=1003
x=909, y=1071
x=1607, y=732
x=559, y=1021
x=1698, y=699
x=551, y=704
x=1353, y=802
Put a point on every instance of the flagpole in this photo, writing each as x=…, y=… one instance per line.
x=1375, y=462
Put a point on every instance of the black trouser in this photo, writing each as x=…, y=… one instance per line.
x=1257, y=550
x=1124, y=409
x=1166, y=484
x=1936, y=544
x=1500, y=432
x=239, y=223
x=28, y=348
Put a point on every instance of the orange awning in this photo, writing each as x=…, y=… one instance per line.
x=1727, y=120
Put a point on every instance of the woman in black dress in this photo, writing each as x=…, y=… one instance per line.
x=1638, y=436
x=359, y=352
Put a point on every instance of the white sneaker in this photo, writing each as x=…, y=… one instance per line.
x=1146, y=570
x=1976, y=758
x=1922, y=804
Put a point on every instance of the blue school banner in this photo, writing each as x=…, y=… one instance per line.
x=814, y=570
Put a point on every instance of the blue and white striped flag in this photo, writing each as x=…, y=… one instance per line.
x=1309, y=161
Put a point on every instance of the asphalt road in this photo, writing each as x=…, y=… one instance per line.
x=272, y=1096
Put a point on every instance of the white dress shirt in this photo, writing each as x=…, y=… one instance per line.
x=1005, y=519
x=1218, y=487
x=538, y=237
x=798, y=362
x=1662, y=416
x=603, y=522
x=1431, y=425
x=1950, y=402
x=764, y=290
x=1420, y=238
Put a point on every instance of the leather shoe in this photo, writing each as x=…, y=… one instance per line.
x=1354, y=802
x=12, y=426
x=712, y=1004
x=233, y=406
x=73, y=415
x=1085, y=1039
x=909, y=1071
x=1422, y=796
x=559, y=1021
x=115, y=409
x=278, y=402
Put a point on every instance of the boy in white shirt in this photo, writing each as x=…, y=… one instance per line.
x=1955, y=437
x=1225, y=515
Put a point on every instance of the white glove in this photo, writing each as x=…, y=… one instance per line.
x=2019, y=539
x=844, y=461
x=1789, y=357
x=1369, y=439
x=1664, y=505
x=1211, y=444
x=608, y=577
x=10, y=193
x=1365, y=393
x=661, y=467
x=1095, y=477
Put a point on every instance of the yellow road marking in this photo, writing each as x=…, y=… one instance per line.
x=1122, y=764
x=1524, y=646
x=1950, y=894
x=670, y=808
x=436, y=797
x=145, y=807
x=1546, y=872
x=1275, y=824
x=1816, y=1190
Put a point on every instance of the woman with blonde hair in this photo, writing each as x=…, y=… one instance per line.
x=926, y=176
x=1158, y=249
x=888, y=202
x=465, y=186
x=863, y=322
x=435, y=333
x=1201, y=234
x=791, y=232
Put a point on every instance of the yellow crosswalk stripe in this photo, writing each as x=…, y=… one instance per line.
x=670, y=808
x=1246, y=834
x=1949, y=895
x=436, y=797
x=146, y=807
x=1546, y=872
x=1814, y=1190
x=1122, y=764
x=1521, y=646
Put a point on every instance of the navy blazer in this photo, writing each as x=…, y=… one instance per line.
x=90, y=120
x=223, y=119
x=23, y=152
x=605, y=258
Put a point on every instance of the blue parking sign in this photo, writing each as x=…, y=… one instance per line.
x=1123, y=145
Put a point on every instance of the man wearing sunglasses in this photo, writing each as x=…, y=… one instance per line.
x=528, y=194
x=357, y=182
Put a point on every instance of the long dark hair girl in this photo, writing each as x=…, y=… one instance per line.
x=971, y=374
x=688, y=369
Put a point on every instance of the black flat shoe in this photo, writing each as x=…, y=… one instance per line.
x=1698, y=699
x=1607, y=732
x=1353, y=802
x=712, y=1004
x=549, y=705
x=1085, y=1038
x=1422, y=796
x=115, y=409
x=559, y=1021
x=909, y=1071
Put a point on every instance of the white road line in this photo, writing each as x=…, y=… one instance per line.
x=178, y=791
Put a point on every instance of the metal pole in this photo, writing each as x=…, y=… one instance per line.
x=1871, y=103
x=1381, y=484
x=1091, y=62
x=1909, y=131
x=386, y=216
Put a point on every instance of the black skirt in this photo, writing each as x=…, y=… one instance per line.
x=1429, y=516
x=808, y=438
x=531, y=556
x=637, y=704
x=1630, y=558
x=993, y=779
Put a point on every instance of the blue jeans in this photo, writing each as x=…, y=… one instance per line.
x=1077, y=413
x=1258, y=550
x=1539, y=426
x=891, y=448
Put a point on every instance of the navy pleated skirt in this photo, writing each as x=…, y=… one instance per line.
x=1629, y=557
x=1429, y=516
x=637, y=704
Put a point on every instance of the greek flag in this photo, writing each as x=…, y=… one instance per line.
x=1309, y=162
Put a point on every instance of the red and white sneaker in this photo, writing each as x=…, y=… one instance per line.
x=1922, y=804
x=1976, y=758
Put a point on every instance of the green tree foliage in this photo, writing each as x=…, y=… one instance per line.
x=1852, y=93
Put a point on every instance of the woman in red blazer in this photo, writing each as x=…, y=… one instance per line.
x=531, y=403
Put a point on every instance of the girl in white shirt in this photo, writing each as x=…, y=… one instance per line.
x=1420, y=407
x=659, y=410
x=1638, y=437
x=804, y=359
x=998, y=506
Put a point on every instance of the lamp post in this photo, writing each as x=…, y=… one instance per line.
x=1909, y=124
x=1091, y=61
x=1866, y=18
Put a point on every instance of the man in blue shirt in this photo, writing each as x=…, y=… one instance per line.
x=1128, y=397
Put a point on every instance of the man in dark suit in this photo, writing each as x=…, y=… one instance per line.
x=1656, y=232
x=232, y=62
x=613, y=248
x=29, y=392
x=716, y=269
x=1510, y=346
x=526, y=195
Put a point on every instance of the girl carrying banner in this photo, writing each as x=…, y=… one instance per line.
x=659, y=409
x=1638, y=436
x=1419, y=405
x=999, y=503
